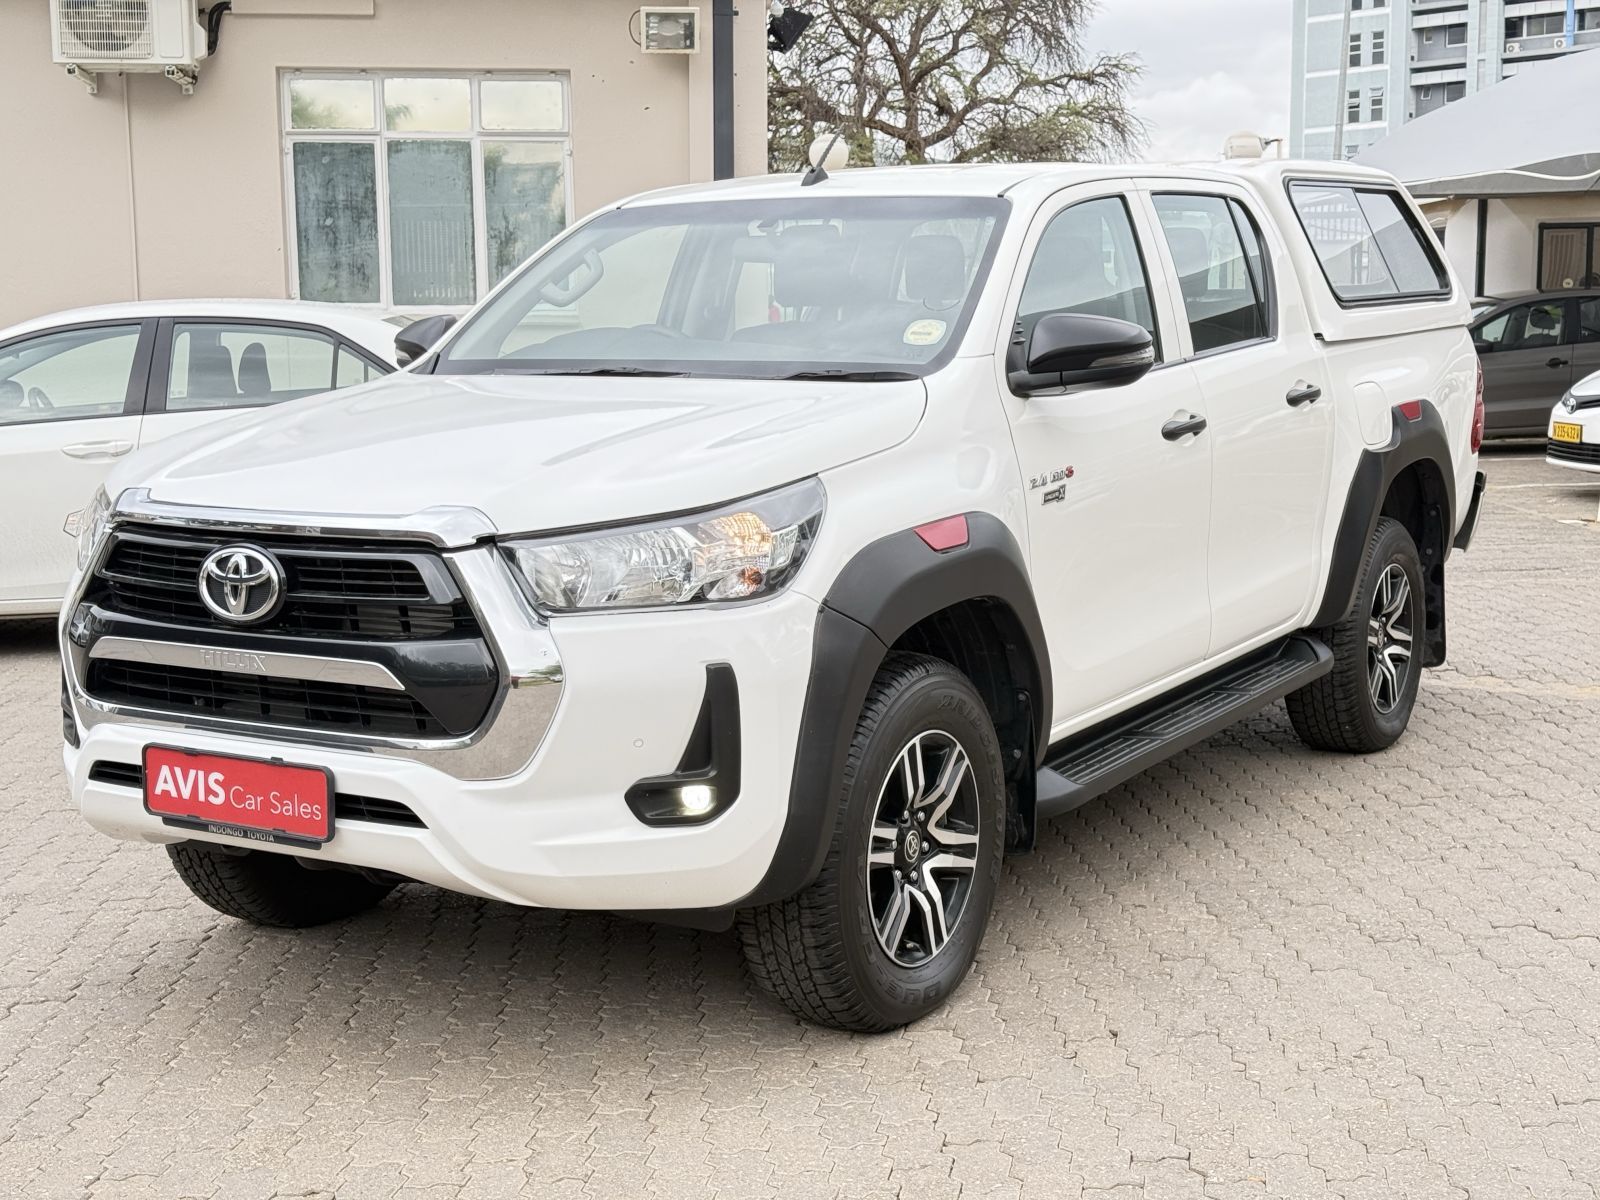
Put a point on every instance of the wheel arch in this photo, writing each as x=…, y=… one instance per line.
x=971, y=605
x=1411, y=480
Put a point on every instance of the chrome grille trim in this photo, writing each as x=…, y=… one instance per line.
x=446, y=526
x=309, y=667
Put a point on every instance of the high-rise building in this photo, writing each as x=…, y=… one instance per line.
x=1363, y=67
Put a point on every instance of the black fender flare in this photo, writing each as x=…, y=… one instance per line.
x=889, y=586
x=1414, y=440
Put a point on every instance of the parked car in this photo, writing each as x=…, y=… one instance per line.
x=1573, y=439
x=1533, y=347
x=80, y=389
x=780, y=555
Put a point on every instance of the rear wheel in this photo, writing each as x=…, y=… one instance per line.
x=1365, y=702
x=272, y=889
x=892, y=923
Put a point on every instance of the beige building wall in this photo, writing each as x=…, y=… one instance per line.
x=1511, y=247
x=141, y=192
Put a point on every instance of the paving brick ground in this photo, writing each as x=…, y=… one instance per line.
x=1255, y=971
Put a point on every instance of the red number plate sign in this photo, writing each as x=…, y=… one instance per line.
x=244, y=797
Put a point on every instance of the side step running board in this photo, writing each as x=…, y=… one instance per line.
x=1082, y=767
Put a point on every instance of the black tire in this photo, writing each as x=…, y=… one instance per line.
x=820, y=952
x=272, y=889
x=1345, y=710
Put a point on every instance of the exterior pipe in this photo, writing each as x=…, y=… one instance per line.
x=722, y=14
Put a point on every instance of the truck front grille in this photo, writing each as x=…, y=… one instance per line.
x=397, y=605
x=331, y=592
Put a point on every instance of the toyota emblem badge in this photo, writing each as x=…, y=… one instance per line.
x=241, y=584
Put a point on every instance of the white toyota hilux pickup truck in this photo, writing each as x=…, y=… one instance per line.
x=777, y=555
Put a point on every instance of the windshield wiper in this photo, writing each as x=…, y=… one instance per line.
x=854, y=376
x=594, y=371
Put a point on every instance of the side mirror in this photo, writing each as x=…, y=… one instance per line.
x=1482, y=347
x=417, y=338
x=1069, y=349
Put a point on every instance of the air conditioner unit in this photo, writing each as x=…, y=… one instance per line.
x=1560, y=43
x=164, y=36
x=1513, y=47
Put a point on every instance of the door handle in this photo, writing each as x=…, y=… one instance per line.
x=1556, y=362
x=1303, y=393
x=1183, y=426
x=97, y=449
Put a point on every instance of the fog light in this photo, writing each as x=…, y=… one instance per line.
x=696, y=800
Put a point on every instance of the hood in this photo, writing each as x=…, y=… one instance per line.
x=531, y=452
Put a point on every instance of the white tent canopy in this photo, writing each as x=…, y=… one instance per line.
x=1537, y=132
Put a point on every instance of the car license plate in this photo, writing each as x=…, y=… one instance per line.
x=1568, y=433
x=257, y=799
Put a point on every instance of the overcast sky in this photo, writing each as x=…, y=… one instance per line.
x=1210, y=69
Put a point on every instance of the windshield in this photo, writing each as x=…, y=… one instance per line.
x=871, y=287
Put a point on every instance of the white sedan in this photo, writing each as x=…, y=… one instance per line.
x=80, y=389
x=1575, y=427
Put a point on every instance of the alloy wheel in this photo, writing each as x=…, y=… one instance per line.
x=923, y=848
x=1389, y=638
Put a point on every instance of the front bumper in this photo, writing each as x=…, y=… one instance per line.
x=532, y=808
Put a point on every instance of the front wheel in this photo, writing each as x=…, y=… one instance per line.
x=892, y=923
x=1365, y=702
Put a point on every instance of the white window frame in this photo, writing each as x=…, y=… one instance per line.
x=476, y=136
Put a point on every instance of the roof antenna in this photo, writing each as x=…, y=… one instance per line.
x=821, y=157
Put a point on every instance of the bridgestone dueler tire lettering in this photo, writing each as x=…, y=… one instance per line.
x=1336, y=712
x=272, y=889
x=817, y=951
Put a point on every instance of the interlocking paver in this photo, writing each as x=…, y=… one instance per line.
x=1254, y=972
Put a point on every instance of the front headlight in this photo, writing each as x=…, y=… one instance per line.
x=89, y=525
x=742, y=551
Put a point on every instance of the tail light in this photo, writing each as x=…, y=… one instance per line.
x=1477, y=413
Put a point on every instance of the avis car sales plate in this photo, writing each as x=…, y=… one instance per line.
x=1568, y=433
x=264, y=801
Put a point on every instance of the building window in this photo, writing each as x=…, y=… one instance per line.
x=1380, y=3
x=1379, y=49
x=1355, y=5
x=1454, y=91
x=1425, y=93
x=1375, y=103
x=1569, y=257
x=1355, y=49
x=1352, y=108
x=421, y=191
x=1427, y=37
x=1455, y=35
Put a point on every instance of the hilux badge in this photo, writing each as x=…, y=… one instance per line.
x=241, y=584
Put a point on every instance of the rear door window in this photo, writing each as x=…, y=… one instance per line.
x=1218, y=258
x=1371, y=247
x=216, y=365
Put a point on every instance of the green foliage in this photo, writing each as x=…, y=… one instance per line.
x=913, y=81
